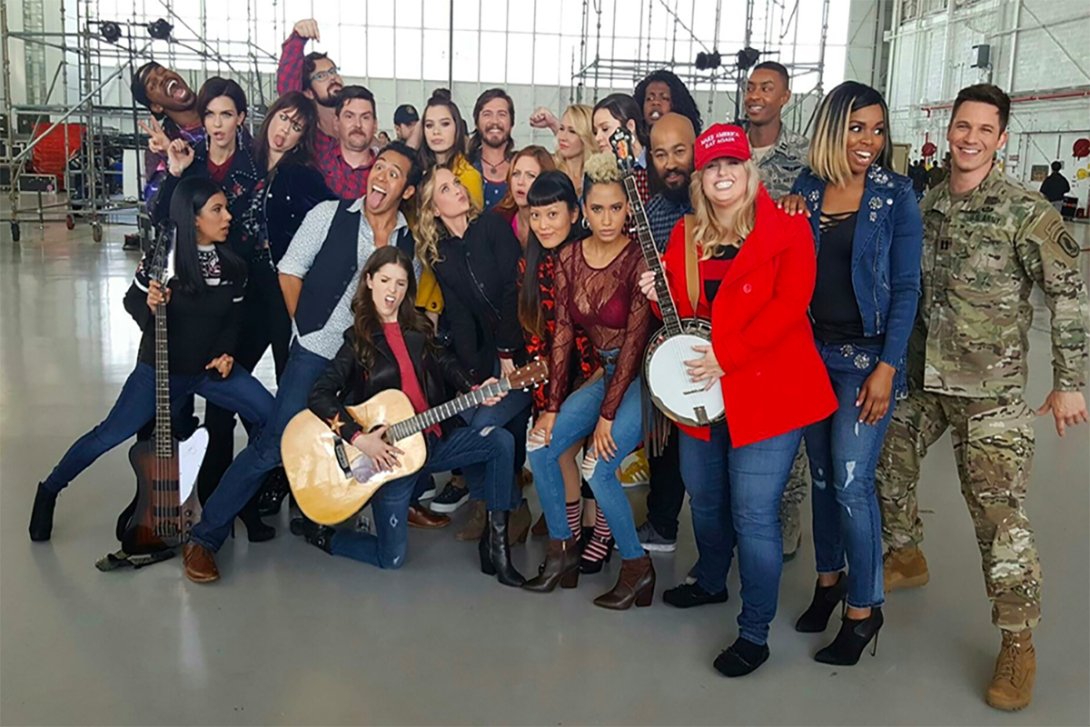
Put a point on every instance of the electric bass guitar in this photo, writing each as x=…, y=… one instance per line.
x=166, y=506
x=664, y=370
x=320, y=463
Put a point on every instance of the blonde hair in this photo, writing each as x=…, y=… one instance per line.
x=583, y=122
x=708, y=231
x=601, y=168
x=429, y=228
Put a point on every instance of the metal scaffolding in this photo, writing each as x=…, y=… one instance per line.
x=90, y=81
x=593, y=71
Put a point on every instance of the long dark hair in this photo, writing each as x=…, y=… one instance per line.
x=681, y=101
x=189, y=198
x=624, y=108
x=551, y=186
x=477, y=139
x=367, y=324
x=441, y=97
x=307, y=113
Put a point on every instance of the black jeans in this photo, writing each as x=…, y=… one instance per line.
x=667, y=491
x=265, y=323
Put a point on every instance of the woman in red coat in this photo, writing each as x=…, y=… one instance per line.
x=756, y=267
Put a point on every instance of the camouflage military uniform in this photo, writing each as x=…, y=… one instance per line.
x=779, y=168
x=967, y=371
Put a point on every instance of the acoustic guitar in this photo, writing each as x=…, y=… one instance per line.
x=319, y=462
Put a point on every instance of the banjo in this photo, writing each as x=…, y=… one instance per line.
x=672, y=391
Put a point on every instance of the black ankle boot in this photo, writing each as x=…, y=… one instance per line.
x=853, y=637
x=320, y=536
x=741, y=658
x=41, y=516
x=273, y=492
x=594, y=565
x=495, y=551
x=826, y=598
x=256, y=530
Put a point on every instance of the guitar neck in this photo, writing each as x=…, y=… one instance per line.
x=441, y=413
x=164, y=437
x=670, y=318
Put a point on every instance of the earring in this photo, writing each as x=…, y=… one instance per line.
x=585, y=225
x=238, y=136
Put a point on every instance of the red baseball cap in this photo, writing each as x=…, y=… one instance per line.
x=719, y=141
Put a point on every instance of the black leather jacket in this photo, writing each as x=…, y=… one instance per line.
x=346, y=383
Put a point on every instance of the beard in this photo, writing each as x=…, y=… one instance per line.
x=676, y=194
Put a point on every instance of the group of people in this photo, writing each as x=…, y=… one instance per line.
x=850, y=327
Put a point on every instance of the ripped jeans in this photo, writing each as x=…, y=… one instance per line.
x=843, y=455
x=486, y=457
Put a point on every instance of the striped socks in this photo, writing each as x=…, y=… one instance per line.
x=600, y=543
x=575, y=519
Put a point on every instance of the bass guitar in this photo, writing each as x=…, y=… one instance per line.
x=320, y=463
x=664, y=370
x=166, y=506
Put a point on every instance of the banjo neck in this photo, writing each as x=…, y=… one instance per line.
x=670, y=319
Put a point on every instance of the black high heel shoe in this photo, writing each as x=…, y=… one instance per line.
x=826, y=598
x=495, y=551
x=273, y=492
x=852, y=639
x=594, y=565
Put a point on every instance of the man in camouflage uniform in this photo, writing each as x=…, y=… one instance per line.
x=987, y=241
x=780, y=155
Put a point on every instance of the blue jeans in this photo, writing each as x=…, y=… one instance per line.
x=844, y=453
x=512, y=413
x=485, y=458
x=706, y=477
x=135, y=406
x=577, y=419
x=245, y=475
x=758, y=475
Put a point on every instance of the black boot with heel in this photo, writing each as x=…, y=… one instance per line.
x=826, y=599
x=495, y=551
x=852, y=639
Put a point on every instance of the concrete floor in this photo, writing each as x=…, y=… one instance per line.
x=293, y=636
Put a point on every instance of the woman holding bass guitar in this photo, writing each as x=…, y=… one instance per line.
x=390, y=346
x=755, y=277
x=203, y=303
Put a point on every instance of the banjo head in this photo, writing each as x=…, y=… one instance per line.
x=679, y=398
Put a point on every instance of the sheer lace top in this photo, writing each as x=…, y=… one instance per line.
x=607, y=304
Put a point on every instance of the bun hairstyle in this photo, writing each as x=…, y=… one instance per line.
x=442, y=97
x=601, y=168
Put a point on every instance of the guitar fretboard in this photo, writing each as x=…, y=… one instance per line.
x=670, y=319
x=164, y=439
x=437, y=414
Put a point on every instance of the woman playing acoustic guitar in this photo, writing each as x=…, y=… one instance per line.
x=390, y=347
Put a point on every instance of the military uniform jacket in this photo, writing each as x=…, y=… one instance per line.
x=982, y=255
x=783, y=163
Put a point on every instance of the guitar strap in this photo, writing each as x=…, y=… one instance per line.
x=692, y=267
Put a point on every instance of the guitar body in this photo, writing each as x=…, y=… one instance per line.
x=151, y=527
x=680, y=399
x=324, y=491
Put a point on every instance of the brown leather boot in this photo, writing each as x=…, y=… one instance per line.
x=905, y=568
x=1015, y=671
x=519, y=528
x=200, y=563
x=561, y=566
x=636, y=583
x=474, y=528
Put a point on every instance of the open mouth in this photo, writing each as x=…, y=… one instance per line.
x=656, y=115
x=177, y=90
x=864, y=156
x=724, y=184
x=969, y=151
x=376, y=197
x=390, y=300
x=278, y=141
x=755, y=108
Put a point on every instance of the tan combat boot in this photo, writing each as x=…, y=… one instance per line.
x=905, y=568
x=1015, y=670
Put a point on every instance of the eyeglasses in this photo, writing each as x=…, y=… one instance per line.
x=323, y=75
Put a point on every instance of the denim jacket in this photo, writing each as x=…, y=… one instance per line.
x=886, y=254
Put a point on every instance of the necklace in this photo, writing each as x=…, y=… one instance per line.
x=494, y=168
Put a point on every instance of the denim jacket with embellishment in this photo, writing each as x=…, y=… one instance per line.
x=886, y=254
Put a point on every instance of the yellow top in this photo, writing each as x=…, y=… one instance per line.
x=471, y=179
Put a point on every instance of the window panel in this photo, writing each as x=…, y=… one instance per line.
x=466, y=14
x=493, y=57
x=406, y=53
x=549, y=65
x=494, y=14
x=436, y=59
x=466, y=45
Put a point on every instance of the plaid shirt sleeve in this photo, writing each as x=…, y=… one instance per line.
x=289, y=74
